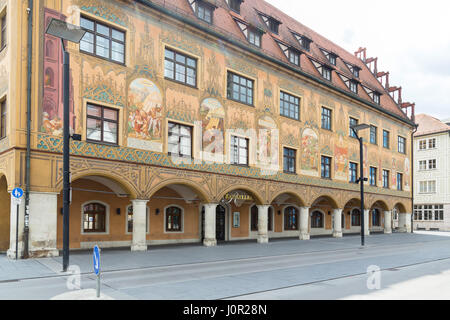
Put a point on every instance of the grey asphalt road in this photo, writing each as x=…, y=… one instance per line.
x=323, y=268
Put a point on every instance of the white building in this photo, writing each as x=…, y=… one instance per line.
x=431, y=174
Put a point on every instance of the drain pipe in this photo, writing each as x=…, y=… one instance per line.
x=416, y=127
x=28, y=154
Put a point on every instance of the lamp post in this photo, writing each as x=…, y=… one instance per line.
x=72, y=33
x=361, y=178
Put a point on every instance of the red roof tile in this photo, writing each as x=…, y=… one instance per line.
x=224, y=22
x=429, y=125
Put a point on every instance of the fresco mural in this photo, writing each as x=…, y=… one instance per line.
x=310, y=150
x=341, y=158
x=212, y=115
x=268, y=141
x=394, y=174
x=144, y=110
x=407, y=173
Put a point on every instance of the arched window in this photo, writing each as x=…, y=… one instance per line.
x=290, y=219
x=130, y=219
x=270, y=222
x=395, y=214
x=317, y=220
x=254, y=218
x=356, y=218
x=49, y=77
x=94, y=217
x=376, y=218
x=174, y=217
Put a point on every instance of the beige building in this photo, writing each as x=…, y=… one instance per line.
x=201, y=121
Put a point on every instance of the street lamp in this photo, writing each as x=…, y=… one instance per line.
x=361, y=178
x=72, y=33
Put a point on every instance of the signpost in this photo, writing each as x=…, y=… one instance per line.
x=17, y=195
x=97, y=268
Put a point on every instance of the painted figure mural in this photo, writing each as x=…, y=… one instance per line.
x=145, y=110
x=212, y=115
x=310, y=149
x=268, y=141
x=341, y=156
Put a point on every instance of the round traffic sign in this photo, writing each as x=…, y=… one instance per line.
x=17, y=193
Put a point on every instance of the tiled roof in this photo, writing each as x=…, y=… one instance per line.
x=429, y=125
x=224, y=21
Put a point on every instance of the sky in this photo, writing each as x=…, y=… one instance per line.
x=410, y=38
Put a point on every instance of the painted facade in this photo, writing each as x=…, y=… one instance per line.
x=138, y=167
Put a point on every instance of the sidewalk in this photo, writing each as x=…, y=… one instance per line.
x=124, y=259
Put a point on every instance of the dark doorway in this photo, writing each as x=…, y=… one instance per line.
x=220, y=223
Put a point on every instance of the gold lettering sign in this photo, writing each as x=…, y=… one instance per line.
x=238, y=196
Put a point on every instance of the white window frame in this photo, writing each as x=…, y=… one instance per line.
x=182, y=219
x=106, y=218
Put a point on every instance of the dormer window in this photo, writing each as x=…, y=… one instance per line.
x=354, y=69
x=204, y=12
x=254, y=37
x=294, y=57
x=326, y=73
x=376, y=98
x=235, y=5
x=374, y=95
x=324, y=70
x=272, y=23
x=304, y=42
x=353, y=86
x=330, y=56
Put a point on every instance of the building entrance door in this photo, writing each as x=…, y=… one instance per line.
x=220, y=223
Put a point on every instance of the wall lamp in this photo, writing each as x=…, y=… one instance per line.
x=157, y=211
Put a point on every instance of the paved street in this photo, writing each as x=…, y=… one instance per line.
x=413, y=266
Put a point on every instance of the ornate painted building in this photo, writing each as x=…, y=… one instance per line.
x=201, y=121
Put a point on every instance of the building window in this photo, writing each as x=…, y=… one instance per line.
x=356, y=72
x=294, y=57
x=290, y=219
x=373, y=176
x=427, y=212
x=326, y=167
x=180, y=140
x=102, y=124
x=373, y=135
x=94, y=218
x=103, y=41
x=204, y=12
x=423, y=165
x=427, y=186
x=332, y=59
x=235, y=5
x=180, y=68
x=289, y=106
x=400, y=181
x=386, y=179
x=3, y=36
x=356, y=218
x=376, y=218
x=353, y=168
x=431, y=164
x=353, y=122
x=353, y=85
x=386, y=139
x=317, y=220
x=326, y=73
x=3, y=119
x=432, y=143
x=174, y=216
x=239, y=151
x=289, y=157
x=422, y=144
x=401, y=145
x=130, y=219
x=254, y=37
x=240, y=89
x=376, y=98
x=326, y=118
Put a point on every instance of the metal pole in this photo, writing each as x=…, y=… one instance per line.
x=66, y=165
x=361, y=152
x=17, y=233
x=98, y=285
